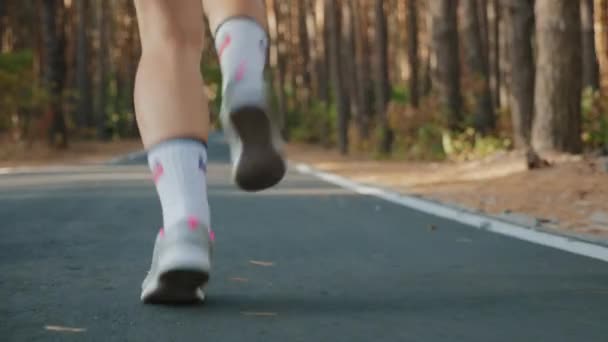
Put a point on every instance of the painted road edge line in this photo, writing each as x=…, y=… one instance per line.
x=468, y=218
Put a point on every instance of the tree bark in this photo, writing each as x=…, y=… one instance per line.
x=484, y=117
x=133, y=54
x=336, y=74
x=557, y=125
x=382, y=86
x=412, y=52
x=102, y=69
x=304, y=56
x=446, y=50
x=277, y=60
x=504, y=66
x=311, y=30
x=520, y=16
x=2, y=23
x=323, y=53
x=601, y=41
x=362, y=63
x=482, y=12
x=494, y=51
x=83, y=82
x=590, y=63
x=54, y=69
x=349, y=72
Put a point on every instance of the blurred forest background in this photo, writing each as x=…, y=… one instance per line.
x=411, y=79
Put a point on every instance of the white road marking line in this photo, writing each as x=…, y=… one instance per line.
x=477, y=221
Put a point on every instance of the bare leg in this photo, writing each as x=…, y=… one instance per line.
x=173, y=120
x=241, y=40
x=169, y=95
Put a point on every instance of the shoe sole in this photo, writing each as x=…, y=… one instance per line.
x=260, y=165
x=178, y=287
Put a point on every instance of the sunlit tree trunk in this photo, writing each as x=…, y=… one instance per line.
x=601, y=41
x=412, y=52
x=557, y=124
x=276, y=58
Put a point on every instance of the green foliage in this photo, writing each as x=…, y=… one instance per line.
x=212, y=74
x=20, y=96
x=400, y=95
x=16, y=62
x=418, y=132
x=427, y=144
x=213, y=81
x=317, y=125
x=469, y=144
x=595, y=120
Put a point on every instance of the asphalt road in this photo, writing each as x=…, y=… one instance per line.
x=304, y=262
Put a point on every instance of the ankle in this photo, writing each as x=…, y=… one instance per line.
x=241, y=44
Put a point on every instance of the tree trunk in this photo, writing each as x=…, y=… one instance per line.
x=333, y=21
x=446, y=50
x=102, y=69
x=590, y=63
x=2, y=23
x=322, y=55
x=54, y=69
x=484, y=118
x=277, y=60
x=347, y=51
x=520, y=16
x=494, y=51
x=362, y=63
x=292, y=60
x=412, y=52
x=382, y=87
x=311, y=30
x=557, y=125
x=601, y=41
x=133, y=57
x=503, y=64
x=304, y=48
x=83, y=82
x=484, y=31
x=427, y=76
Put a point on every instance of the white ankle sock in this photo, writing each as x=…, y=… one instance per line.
x=241, y=45
x=179, y=169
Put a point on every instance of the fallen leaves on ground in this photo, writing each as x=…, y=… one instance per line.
x=259, y=314
x=261, y=263
x=64, y=329
x=239, y=280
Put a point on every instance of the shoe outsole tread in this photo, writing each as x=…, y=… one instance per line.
x=260, y=165
x=179, y=286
